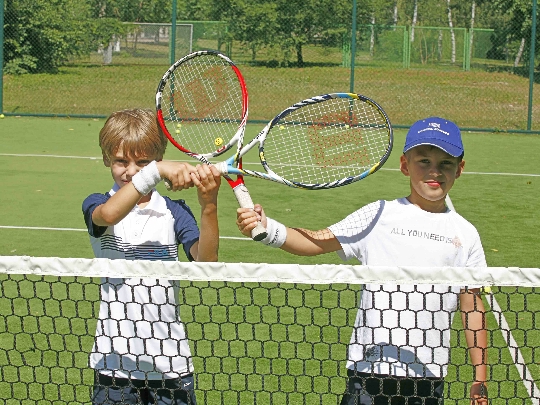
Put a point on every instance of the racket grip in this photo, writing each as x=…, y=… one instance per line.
x=244, y=200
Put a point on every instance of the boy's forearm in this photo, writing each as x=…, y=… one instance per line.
x=304, y=242
x=209, y=236
x=117, y=207
x=474, y=323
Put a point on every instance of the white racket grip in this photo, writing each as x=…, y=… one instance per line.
x=244, y=200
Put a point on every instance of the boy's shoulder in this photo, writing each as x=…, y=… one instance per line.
x=178, y=208
x=95, y=199
x=462, y=222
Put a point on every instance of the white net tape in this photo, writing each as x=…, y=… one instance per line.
x=259, y=333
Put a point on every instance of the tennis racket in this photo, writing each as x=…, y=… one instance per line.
x=202, y=107
x=319, y=143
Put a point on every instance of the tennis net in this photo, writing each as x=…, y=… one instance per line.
x=257, y=333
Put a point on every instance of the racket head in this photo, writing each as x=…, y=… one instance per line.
x=326, y=141
x=202, y=104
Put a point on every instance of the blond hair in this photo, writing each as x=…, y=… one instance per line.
x=136, y=131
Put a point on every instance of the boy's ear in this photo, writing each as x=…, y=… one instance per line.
x=106, y=160
x=461, y=166
x=403, y=165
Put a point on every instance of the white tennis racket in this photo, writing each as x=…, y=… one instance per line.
x=322, y=142
x=202, y=106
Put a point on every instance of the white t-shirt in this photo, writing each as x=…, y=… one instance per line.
x=404, y=330
x=139, y=334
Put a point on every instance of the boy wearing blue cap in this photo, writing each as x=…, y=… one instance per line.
x=399, y=349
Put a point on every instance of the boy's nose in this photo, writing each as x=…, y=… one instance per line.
x=132, y=170
x=435, y=170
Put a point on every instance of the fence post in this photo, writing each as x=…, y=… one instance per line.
x=353, y=46
x=172, y=35
x=406, y=48
x=531, y=65
x=466, y=53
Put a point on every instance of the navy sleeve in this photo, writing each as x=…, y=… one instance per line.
x=185, y=225
x=89, y=205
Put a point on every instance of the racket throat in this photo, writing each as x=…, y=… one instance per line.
x=222, y=167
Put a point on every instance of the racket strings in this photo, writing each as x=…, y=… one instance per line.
x=202, y=104
x=327, y=141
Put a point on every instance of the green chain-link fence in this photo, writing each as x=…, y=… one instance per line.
x=467, y=60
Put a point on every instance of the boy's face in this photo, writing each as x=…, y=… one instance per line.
x=432, y=172
x=123, y=167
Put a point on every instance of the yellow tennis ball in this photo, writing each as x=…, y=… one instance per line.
x=2, y=116
x=177, y=131
x=218, y=141
x=178, y=125
x=347, y=126
x=281, y=127
x=487, y=289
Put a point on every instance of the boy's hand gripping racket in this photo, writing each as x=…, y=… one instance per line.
x=322, y=142
x=202, y=106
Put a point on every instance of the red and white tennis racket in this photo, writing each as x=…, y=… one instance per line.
x=202, y=106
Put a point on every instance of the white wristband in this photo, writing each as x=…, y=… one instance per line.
x=147, y=178
x=277, y=233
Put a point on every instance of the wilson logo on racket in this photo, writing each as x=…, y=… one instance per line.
x=201, y=98
x=336, y=149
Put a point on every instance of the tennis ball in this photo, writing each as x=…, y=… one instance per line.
x=347, y=126
x=178, y=125
x=2, y=116
x=218, y=141
x=177, y=131
x=281, y=127
x=487, y=289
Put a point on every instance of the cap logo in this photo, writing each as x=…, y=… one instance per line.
x=433, y=126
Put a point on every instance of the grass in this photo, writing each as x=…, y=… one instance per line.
x=474, y=99
x=258, y=343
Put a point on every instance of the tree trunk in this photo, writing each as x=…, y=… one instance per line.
x=452, y=34
x=439, y=46
x=372, y=39
x=520, y=52
x=414, y=19
x=107, y=54
x=473, y=10
x=395, y=14
x=299, y=56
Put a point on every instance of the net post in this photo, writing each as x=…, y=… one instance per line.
x=1, y=56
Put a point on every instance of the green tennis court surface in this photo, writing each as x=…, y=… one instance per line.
x=294, y=336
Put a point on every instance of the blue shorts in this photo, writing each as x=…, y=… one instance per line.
x=174, y=391
x=377, y=389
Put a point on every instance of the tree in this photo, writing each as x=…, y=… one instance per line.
x=512, y=35
x=256, y=26
x=302, y=21
x=40, y=35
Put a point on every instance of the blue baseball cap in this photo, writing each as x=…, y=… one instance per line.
x=435, y=131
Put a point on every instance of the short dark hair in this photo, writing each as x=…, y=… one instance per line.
x=136, y=131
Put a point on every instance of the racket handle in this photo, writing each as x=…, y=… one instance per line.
x=244, y=200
